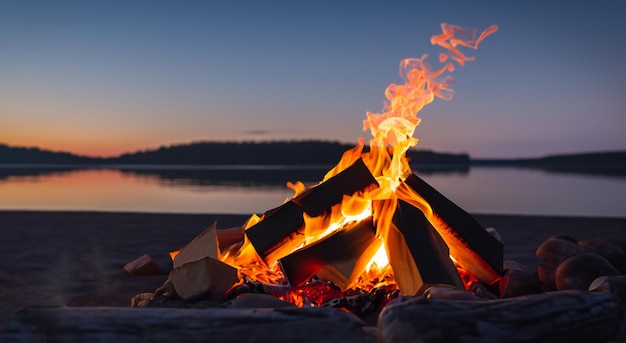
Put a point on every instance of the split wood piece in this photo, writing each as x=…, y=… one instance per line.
x=344, y=273
x=555, y=317
x=229, y=239
x=125, y=325
x=345, y=244
x=143, y=265
x=204, y=245
x=207, y=278
x=276, y=224
x=419, y=257
x=475, y=249
x=318, y=199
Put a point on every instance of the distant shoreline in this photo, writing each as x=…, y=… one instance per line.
x=296, y=154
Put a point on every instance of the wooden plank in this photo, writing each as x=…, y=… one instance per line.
x=470, y=244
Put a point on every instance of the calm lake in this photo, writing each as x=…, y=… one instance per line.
x=254, y=189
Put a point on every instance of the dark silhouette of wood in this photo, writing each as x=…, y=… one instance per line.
x=276, y=224
x=345, y=244
x=316, y=200
x=470, y=244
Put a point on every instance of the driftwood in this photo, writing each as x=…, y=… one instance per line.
x=564, y=316
x=124, y=325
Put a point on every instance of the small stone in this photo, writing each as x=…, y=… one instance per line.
x=607, y=249
x=614, y=284
x=551, y=253
x=578, y=272
x=143, y=265
x=141, y=300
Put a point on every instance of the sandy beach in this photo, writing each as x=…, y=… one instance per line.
x=77, y=258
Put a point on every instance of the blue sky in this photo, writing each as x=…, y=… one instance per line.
x=107, y=77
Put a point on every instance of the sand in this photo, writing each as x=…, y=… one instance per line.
x=77, y=258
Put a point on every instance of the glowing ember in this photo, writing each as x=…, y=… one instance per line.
x=392, y=132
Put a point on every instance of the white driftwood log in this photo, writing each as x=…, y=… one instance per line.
x=565, y=316
x=123, y=325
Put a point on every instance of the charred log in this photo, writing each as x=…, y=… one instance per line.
x=277, y=224
x=471, y=245
x=318, y=199
x=345, y=244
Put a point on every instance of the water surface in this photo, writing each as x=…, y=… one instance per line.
x=254, y=189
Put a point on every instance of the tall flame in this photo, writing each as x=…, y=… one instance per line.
x=392, y=136
x=396, y=124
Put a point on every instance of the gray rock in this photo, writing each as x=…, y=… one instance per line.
x=614, y=284
x=551, y=253
x=578, y=272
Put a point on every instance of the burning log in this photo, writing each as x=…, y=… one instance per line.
x=417, y=254
x=318, y=199
x=345, y=244
x=283, y=221
x=470, y=244
x=277, y=224
x=564, y=316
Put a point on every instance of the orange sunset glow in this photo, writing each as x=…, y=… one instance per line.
x=104, y=79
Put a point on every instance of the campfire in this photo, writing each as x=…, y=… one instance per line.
x=343, y=249
x=370, y=226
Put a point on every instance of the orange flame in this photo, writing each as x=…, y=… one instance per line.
x=392, y=132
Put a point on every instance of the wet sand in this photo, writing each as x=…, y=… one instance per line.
x=77, y=258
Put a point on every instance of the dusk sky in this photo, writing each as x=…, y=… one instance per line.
x=102, y=78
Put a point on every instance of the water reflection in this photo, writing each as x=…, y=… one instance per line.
x=254, y=189
x=243, y=176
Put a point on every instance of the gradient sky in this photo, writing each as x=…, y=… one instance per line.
x=106, y=77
